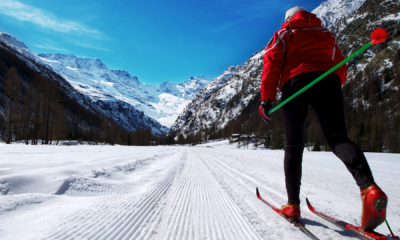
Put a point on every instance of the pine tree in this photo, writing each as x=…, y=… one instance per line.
x=267, y=141
x=317, y=146
x=12, y=94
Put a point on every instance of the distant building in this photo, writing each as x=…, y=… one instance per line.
x=234, y=137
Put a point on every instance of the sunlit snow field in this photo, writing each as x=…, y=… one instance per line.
x=176, y=192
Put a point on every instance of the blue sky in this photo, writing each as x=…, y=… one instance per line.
x=154, y=40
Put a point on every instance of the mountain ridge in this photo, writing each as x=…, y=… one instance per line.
x=116, y=93
x=93, y=78
x=123, y=114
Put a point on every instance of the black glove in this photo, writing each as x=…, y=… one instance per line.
x=265, y=107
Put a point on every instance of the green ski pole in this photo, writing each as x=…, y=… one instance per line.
x=378, y=35
x=393, y=236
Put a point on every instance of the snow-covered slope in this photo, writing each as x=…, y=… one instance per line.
x=223, y=99
x=336, y=14
x=17, y=45
x=192, y=86
x=200, y=104
x=94, y=79
x=21, y=50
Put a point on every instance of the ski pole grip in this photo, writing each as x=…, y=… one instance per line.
x=379, y=35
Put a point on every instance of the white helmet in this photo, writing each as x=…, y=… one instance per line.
x=291, y=12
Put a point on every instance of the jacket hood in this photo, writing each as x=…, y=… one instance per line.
x=302, y=19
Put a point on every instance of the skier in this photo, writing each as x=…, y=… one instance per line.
x=299, y=52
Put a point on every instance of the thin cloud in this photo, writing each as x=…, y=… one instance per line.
x=257, y=9
x=252, y=10
x=23, y=12
x=49, y=46
x=89, y=45
x=228, y=25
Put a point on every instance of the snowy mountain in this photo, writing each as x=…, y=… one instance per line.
x=336, y=14
x=203, y=106
x=371, y=90
x=123, y=113
x=222, y=100
x=94, y=79
x=192, y=86
x=116, y=93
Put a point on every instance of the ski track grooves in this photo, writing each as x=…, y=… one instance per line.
x=200, y=209
x=186, y=193
x=235, y=174
x=176, y=197
x=121, y=215
x=248, y=183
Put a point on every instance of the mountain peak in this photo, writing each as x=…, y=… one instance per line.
x=10, y=40
x=71, y=60
x=56, y=56
x=333, y=12
x=123, y=73
x=18, y=46
x=197, y=79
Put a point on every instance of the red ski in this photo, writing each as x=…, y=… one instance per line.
x=297, y=223
x=366, y=234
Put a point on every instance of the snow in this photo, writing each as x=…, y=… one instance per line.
x=48, y=60
x=349, y=20
x=175, y=192
x=171, y=105
x=109, y=84
x=388, y=63
x=73, y=69
x=392, y=17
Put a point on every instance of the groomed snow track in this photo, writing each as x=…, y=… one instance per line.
x=185, y=202
x=181, y=193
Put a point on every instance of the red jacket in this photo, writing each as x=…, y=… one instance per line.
x=300, y=46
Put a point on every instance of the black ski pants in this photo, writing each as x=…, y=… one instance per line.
x=326, y=99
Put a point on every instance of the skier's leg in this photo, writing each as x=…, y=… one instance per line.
x=353, y=157
x=328, y=105
x=293, y=172
x=327, y=102
x=294, y=119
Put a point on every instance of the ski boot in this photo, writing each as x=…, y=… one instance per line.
x=374, y=203
x=291, y=210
